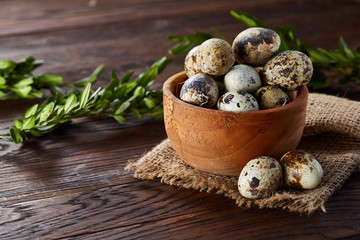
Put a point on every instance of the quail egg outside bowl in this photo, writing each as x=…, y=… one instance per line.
x=222, y=142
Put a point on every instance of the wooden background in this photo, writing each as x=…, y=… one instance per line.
x=71, y=184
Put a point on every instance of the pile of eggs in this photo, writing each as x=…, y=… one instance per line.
x=246, y=76
x=251, y=76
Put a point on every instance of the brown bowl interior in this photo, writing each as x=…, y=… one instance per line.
x=223, y=142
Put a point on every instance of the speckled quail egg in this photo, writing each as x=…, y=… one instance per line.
x=260, y=177
x=201, y=90
x=301, y=170
x=255, y=46
x=242, y=78
x=191, y=62
x=215, y=57
x=288, y=70
x=237, y=102
x=271, y=97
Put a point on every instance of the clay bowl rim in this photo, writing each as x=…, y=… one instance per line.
x=299, y=100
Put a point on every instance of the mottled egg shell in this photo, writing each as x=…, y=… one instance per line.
x=260, y=177
x=201, y=90
x=242, y=78
x=237, y=102
x=215, y=57
x=191, y=62
x=271, y=97
x=255, y=46
x=301, y=170
x=288, y=70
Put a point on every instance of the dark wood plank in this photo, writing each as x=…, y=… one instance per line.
x=91, y=154
x=152, y=210
x=71, y=183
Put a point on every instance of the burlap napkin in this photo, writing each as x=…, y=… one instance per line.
x=332, y=135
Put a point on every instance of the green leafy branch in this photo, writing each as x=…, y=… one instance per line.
x=343, y=63
x=17, y=79
x=118, y=99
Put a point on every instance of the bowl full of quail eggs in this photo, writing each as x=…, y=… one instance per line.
x=239, y=105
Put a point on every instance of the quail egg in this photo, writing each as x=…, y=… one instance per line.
x=242, y=78
x=288, y=70
x=271, y=97
x=201, y=90
x=215, y=57
x=237, y=102
x=260, y=177
x=301, y=170
x=255, y=46
x=191, y=62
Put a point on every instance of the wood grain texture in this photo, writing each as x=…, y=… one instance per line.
x=71, y=184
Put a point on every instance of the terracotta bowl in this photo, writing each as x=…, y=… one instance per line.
x=223, y=142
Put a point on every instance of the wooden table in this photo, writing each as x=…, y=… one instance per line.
x=71, y=184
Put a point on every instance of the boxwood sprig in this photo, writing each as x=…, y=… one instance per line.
x=342, y=63
x=118, y=99
x=17, y=79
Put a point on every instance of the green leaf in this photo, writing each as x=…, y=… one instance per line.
x=70, y=103
x=136, y=112
x=149, y=103
x=85, y=95
x=95, y=95
x=17, y=124
x=147, y=77
x=22, y=92
x=348, y=53
x=318, y=57
x=47, y=80
x=106, y=95
x=46, y=111
x=23, y=83
x=122, y=108
x=46, y=127
x=161, y=64
x=119, y=92
x=340, y=57
x=126, y=77
x=91, y=78
x=113, y=83
x=187, y=42
x=181, y=48
x=7, y=66
x=35, y=94
x=2, y=80
x=158, y=113
x=100, y=105
x=31, y=111
x=15, y=135
x=27, y=65
x=176, y=38
x=248, y=19
x=36, y=133
x=130, y=86
x=139, y=92
x=119, y=118
x=28, y=123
